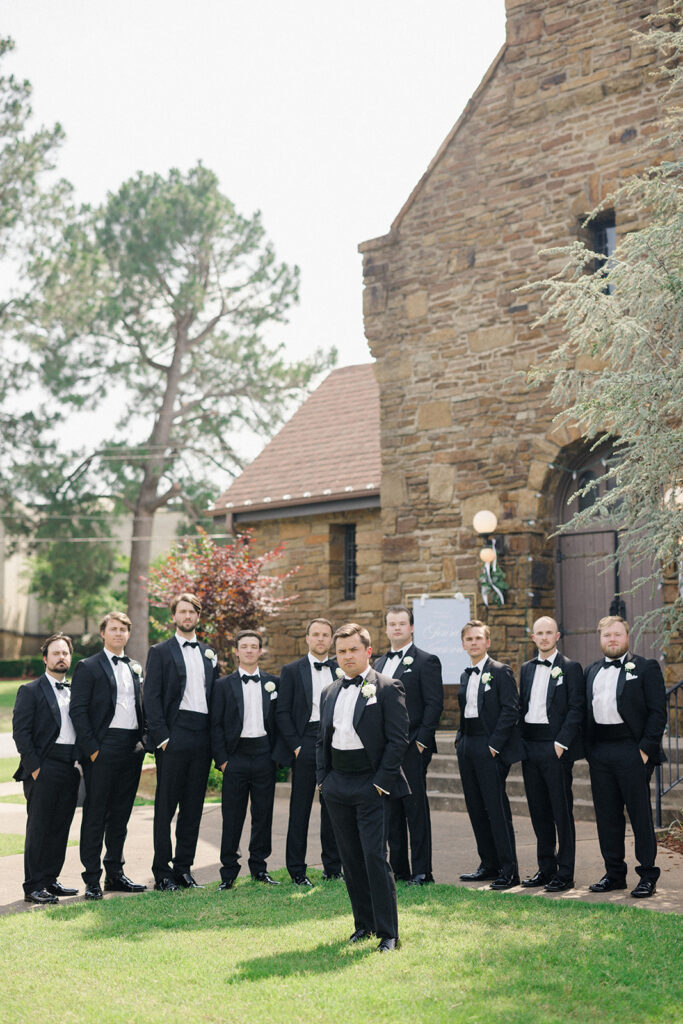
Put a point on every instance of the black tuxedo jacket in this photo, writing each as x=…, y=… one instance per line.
x=227, y=714
x=381, y=726
x=565, y=702
x=93, y=701
x=498, y=704
x=36, y=723
x=424, y=693
x=641, y=702
x=294, y=703
x=165, y=681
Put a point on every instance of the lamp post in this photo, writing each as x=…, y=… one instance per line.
x=492, y=580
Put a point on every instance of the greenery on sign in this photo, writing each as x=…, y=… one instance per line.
x=628, y=320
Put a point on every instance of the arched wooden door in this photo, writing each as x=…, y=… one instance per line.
x=585, y=591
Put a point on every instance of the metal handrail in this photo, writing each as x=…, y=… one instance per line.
x=668, y=775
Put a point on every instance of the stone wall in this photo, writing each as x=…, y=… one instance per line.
x=562, y=115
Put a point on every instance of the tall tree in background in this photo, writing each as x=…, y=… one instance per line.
x=151, y=309
x=628, y=318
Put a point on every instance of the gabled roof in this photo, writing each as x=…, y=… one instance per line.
x=329, y=450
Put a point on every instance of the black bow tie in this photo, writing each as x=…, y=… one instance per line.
x=395, y=654
x=356, y=681
x=469, y=671
x=542, y=661
x=191, y=643
x=250, y=679
x=612, y=664
x=320, y=665
x=63, y=686
x=116, y=659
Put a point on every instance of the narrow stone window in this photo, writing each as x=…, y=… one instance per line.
x=600, y=235
x=350, y=562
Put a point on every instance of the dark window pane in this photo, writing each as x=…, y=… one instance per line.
x=350, y=562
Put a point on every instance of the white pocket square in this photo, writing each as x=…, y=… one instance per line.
x=630, y=676
x=370, y=700
x=273, y=695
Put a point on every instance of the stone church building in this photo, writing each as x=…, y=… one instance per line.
x=376, y=504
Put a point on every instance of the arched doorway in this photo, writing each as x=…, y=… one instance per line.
x=585, y=591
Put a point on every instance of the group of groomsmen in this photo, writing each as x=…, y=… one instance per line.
x=360, y=736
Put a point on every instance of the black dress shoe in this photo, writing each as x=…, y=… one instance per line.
x=644, y=888
x=482, y=874
x=93, y=892
x=607, y=884
x=263, y=876
x=360, y=934
x=224, y=886
x=417, y=880
x=332, y=876
x=57, y=889
x=558, y=884
x=540, y=878
x=40, y=896
x=121, y=883
x=166, y=885
x=504, y=882
x=387, y=945
x=303, y=880
x=186, y=881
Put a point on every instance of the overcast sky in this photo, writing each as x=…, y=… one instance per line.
x=322, y=115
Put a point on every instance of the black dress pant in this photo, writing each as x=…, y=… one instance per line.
x=410, y=817
x=182, y=773
x=249, y=774
x=483, y=781
x=359, y=818
x=620, y=779
x=548, y=785
x=50, y=806
x=300, y=804
x=111, y=782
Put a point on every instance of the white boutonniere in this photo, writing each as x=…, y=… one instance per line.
x=339, y=672
x=486, y=680
x=269, y=687
x=556, y=672
x=629, y=666
x=211, y=655
x=408, y=661
x=136, y=668
x=368, y=690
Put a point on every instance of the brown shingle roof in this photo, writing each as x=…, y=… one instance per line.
x=328, y=450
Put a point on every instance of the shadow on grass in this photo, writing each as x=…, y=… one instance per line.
x=325, y=958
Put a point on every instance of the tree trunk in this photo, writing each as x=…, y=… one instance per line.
x=138, y=598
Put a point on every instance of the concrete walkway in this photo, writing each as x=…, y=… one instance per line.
x=454, y=852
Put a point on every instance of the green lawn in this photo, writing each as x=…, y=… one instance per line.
x=8, y=766
x=8, y=692
x=11, y=843
x=280, y=956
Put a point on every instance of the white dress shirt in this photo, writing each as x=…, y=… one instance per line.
x=194, y=697
x=253, y=726
x=67, y=733
x=320, y=677
x=344, y=735
x=471, y=704
x=394, y=660
x=125, y=715
x=605, y=695
x=537, y=713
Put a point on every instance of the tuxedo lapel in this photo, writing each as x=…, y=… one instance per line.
x=307, y=681
x=380, y=663
x=525, y=683
x=361, y=701
x=108, y=670
x=49, y=695
x=208, y=671
x=179, y=662
x=482, y=688
x=589, y=687
x=335, y=689
x=265, y=698
x=621, y=683
x=238, y=693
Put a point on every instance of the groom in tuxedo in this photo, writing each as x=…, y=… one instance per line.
x=298, y=722
x=106, y=710
x=177, y=694
x=363, y=738
x=45, y=738
x=420, y=674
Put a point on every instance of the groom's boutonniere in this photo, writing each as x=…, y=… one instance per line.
x=211, y=655
x=136, y=668
x=486, y=680
x=368, y=690
x=269, y=687
x=629, y=666
x=339, y=672
x=556, y=672
x=407, y=661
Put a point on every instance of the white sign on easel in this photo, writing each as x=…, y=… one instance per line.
x=438, y=624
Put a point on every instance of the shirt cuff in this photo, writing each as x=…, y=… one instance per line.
x=162, y=743
x=494, y=750
x=558, y=744
x=385, y=791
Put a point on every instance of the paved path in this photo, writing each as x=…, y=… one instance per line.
x=454, y=851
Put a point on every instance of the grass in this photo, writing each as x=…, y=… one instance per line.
x=11, y=843
x=8, y=693
x=281, y=956
x=8, y=766
x=13, y=798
